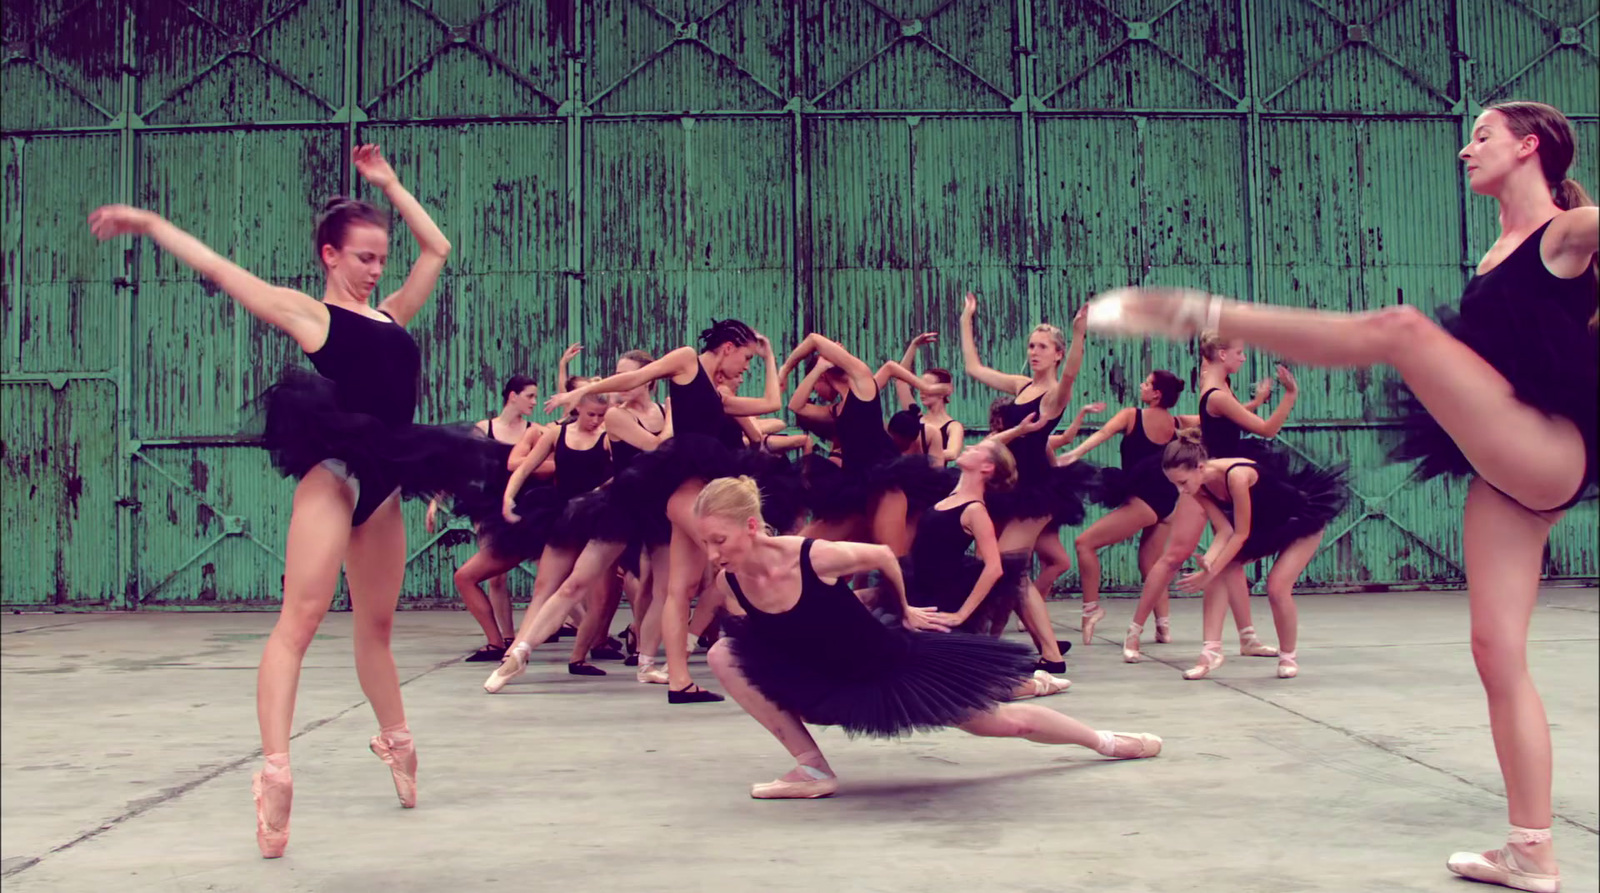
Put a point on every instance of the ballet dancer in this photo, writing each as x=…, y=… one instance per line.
x=1504, y=391
x=804, y=649
x=347, y=434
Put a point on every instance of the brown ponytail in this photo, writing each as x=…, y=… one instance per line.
x=1569, y=194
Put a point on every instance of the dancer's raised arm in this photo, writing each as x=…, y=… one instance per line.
x=973, y=365
x=405, y=301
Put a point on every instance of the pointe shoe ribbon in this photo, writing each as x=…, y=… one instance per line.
x=1500, y=867
x=1210, y=659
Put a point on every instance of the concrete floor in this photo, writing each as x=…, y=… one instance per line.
x=129, y=742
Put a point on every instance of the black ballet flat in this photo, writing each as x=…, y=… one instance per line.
x=1051, y=666
x=612, y=642
x=487, y=654
x=694, y=694
x=565, y=632
x=1064, y=645
x=583, y=669
x=705, y=642
x=605, y=653
x=631, y=660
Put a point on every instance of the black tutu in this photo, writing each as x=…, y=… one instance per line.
x=1550, y=359
x=306, y=425
x=1059, y=493
x=834, y=493
x=1146, y=481
x=1291, y=499
x=635, y=502
x=948, y=592
x=922, y=682
x=539, y=510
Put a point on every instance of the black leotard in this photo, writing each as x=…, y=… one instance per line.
x=623, y=453
x=1136, y=445
x=579, y=471
x=697, y=409
x=1222, y=436
x=862, y=437
x=1032, y=450
x=832, y=662
x=375, y=365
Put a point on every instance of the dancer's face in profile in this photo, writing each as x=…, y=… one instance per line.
x=735, y=360
x=357, y=265
x=727, y=542
x=524, y=401
x=1042, y=352
x=1232, y=357
x=1494, y=152
x=1147, y=391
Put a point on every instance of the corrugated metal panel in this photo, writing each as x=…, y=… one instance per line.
x=1310, y=61
x=212, y=525
x=659, y=57
x=870, y=230
x=66, y=58
x=278, y=61
x=67, y=301
x=58, y=454
x=863, y=56
x=1518, y=52
x=250, y=195
x=450, y=59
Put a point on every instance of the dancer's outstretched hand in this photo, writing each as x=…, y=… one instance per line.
x=509, y=511
x=1032, y=423
x=1096, y=406
x=924, y=620
x=1197, y=581
x=1080, y=321
x=969, y=307
x=1287, y=377
x=558, y=404
x=571, y=351
x=925, y=338
x=372, y=167
x=1263, y=390
x=763, y=346
x=110, y=221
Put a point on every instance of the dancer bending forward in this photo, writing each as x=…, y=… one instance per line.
x=802, y=648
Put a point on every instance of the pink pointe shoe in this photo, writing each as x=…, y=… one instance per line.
x=273, y=789
x=1163, y=630
x=401, y=755
x=817, y=784
x=1505, y=868
x=1288, y=667
x=1092, y=615
x=1250, y=644
x=1164, y=312
x=514, y=664
x=1130, y=644
x=1210, y=659
x=1131, y=746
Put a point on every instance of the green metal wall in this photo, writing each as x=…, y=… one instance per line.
x=618, y=171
